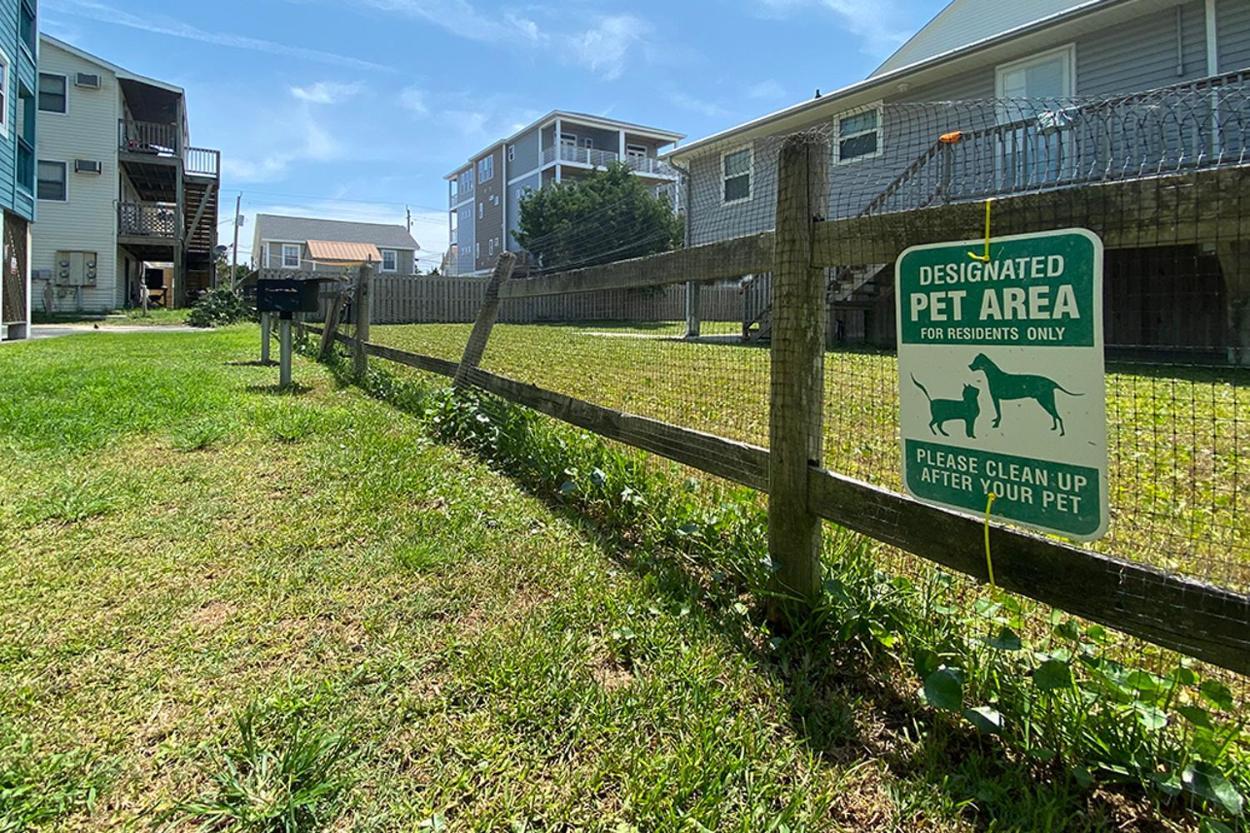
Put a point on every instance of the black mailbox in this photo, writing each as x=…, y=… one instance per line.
x=287, y=295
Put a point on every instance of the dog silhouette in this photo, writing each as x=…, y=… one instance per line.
x=1006, y=387
x=942, y=411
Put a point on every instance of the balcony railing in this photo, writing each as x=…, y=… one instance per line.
x=203, y=162
x=157, y=220
x=152, y=138
x=651, y=166
x=593, y=157
x=462, y=195
x=1017, y=146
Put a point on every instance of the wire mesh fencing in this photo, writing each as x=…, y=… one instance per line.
x=1176, y=273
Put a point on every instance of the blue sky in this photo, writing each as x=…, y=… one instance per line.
x=357, y=108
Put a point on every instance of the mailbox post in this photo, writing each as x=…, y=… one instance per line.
x=284, y=351
x=284, y=296
x=266, y=333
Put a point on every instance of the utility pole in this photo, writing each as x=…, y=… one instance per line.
x=409, y=211
x=234, y=256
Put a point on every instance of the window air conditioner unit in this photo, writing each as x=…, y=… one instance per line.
x=88, y=166
x=87, y=80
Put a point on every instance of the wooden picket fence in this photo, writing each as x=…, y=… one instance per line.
x=407, y=299
x=1170, y=610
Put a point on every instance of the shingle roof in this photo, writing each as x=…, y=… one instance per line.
x=303, y=229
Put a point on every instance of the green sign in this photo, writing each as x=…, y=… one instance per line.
x=1001, y=379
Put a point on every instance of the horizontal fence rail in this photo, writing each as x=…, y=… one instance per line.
x=1182, y=614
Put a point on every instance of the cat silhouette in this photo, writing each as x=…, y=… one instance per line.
x=942, y=411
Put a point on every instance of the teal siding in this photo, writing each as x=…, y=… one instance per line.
x=24, y=72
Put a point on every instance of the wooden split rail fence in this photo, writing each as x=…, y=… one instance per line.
x=1179, y=613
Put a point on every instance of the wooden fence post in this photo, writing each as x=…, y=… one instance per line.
x=796, y=418
x=486, y=316
x=331, y=325
x=360, y=309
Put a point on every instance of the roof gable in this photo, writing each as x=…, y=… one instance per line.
x=965, y=22
x=304, y=229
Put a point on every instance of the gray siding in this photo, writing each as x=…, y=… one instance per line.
x=1142, y=55
x=515, y=192
x=467, y=224
x=527, y=156
x=1233, y=19
x=1126, y=58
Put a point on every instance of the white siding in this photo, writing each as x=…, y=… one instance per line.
x=88, y=221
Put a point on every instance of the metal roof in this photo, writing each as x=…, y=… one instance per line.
x=333, y=251
x=305, y=229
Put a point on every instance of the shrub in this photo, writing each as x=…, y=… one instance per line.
x=218, y=307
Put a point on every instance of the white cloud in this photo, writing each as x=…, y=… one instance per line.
x=880, y=25
x=605, y=47
x=461, y=18
x=765, y=90
x=294, y=139
x=413, y=100
x=104, y=13
x=327, y=92
x=696, y=105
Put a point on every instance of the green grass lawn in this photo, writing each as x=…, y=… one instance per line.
x=200, y=570
x=1175, y=435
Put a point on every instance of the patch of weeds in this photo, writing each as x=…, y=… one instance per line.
x=292, y=425
x=198, y=435
x=37, y=789
x=280, y=774
x=72, y=499
x=424, y=555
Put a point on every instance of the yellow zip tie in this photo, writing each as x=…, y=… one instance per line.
x=985, y=258
x=989, y=561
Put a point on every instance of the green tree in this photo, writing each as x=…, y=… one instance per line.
x=606, y=216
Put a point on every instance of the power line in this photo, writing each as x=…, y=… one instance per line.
x=400, y=205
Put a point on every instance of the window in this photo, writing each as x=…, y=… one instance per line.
x=1049, y=75
x=588, y=143
x=858, y=135
x=490, y=248
x=636, y=151
x=481, y=210
x=290, y=255
x=53, y=95
x=52, y=181
x=568, y=140
x=737, y=168
x=486, y=169
x=511, y=153
x=4, y=94
x=27, y=27
x=390, y=260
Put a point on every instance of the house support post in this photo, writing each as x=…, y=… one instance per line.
x=360, y=310
x=486, y=317
x=693, y=321
x=1235, y=266
x=266, y=333
x=796, y=408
